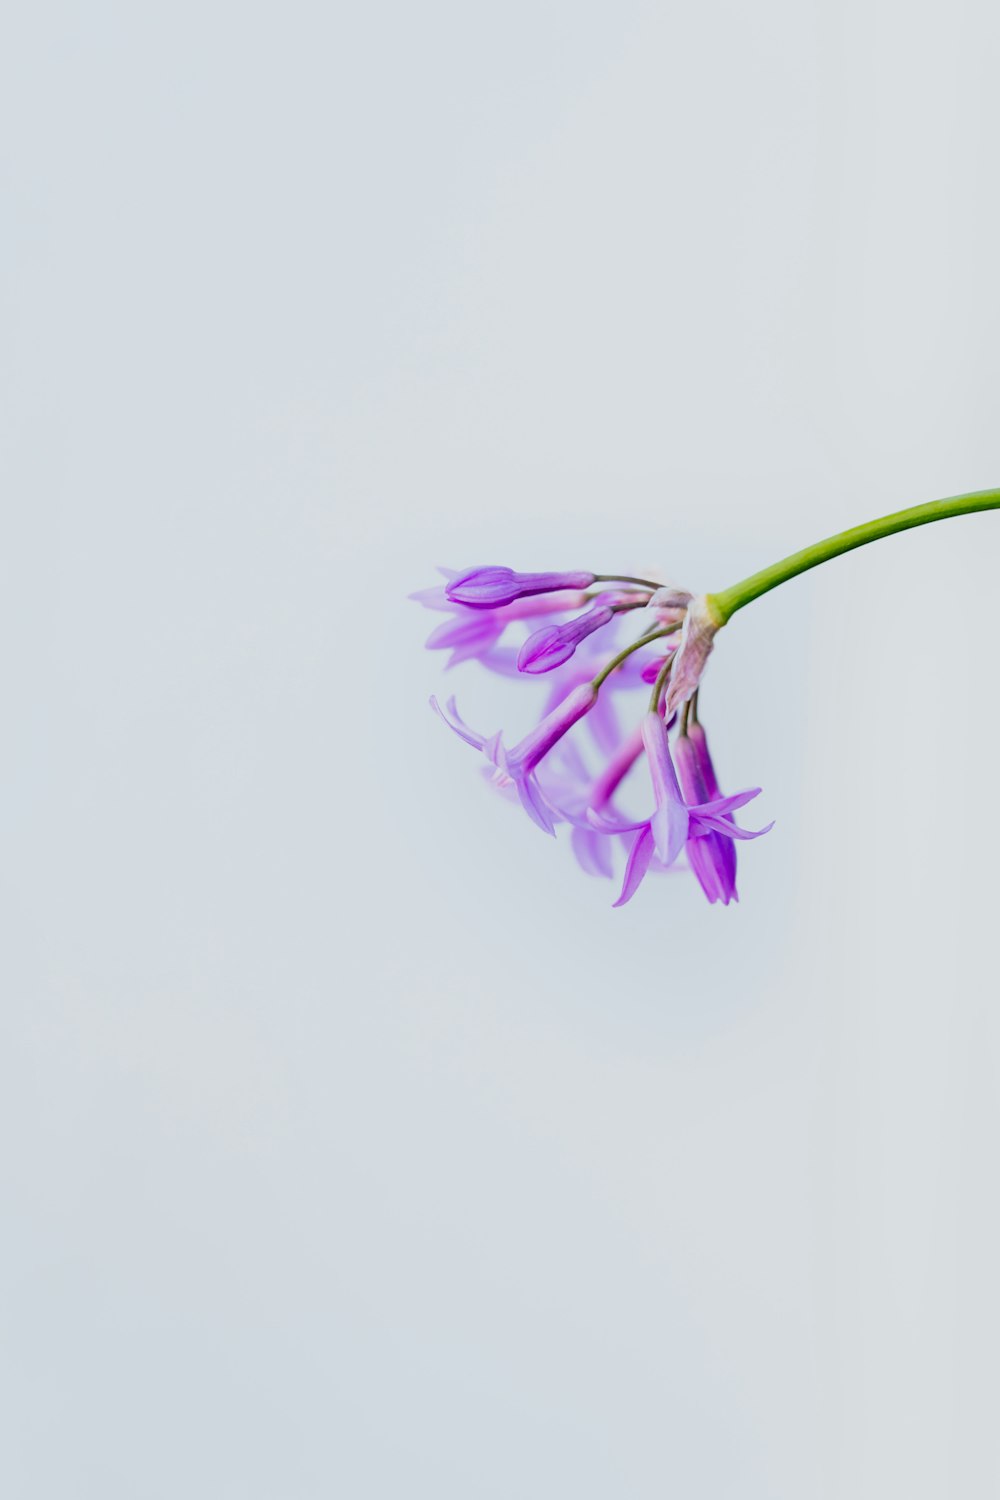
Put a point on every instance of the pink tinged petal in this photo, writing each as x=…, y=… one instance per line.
x=721, y=805
x=670, y=597
x=499, y=782
x=697, y=636
x=536, y=745
x=487, y=588
x=550, y=647
x=638, y=863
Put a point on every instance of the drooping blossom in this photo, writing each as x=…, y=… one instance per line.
x=713, y=856
x=559, y=626
x=675, y=822
x=651, y=669
x=521, y=762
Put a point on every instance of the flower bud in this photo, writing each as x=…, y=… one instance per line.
x=487, y=588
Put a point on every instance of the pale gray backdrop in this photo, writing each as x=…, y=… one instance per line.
x=351, y=1145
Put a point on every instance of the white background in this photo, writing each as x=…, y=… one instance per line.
x=352, y=1146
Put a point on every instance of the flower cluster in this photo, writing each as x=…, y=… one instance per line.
x=573, y=619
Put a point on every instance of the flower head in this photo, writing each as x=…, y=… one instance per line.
x=712, y=856
x=586, y=667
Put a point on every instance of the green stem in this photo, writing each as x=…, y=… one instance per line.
x=643, y=583
x=726, y=603
x=644, y=640
x=661, y=677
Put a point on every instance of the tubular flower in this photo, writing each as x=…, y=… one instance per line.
x=486, y=588
x=549, y=647
x=712, y=856
x=572, y=634
x=473, y=634
x=677, y=822
x=519, y=764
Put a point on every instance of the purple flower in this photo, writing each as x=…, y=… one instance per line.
x=554, y=644
x=674, y=822
x=473, y=634
x=591, y=674
x=520, y=763
x=651, y=670
x=712, y=857
x=487, y=588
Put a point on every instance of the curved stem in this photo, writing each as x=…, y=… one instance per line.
x=644, y=640
x=643, y=583
x=726, y=603
x=661, y=677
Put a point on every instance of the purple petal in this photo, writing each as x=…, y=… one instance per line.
x=550, y=730
x=652, y=669
x=725, y=827
x=608, y=825
x=697, y=637
x=433, y=598
x=669, y=824
x=592, y=852
x=459, y=630
x=458, y=727
x=638, y=863
x=534, y=804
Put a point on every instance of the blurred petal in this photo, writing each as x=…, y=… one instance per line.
x=592, y=851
